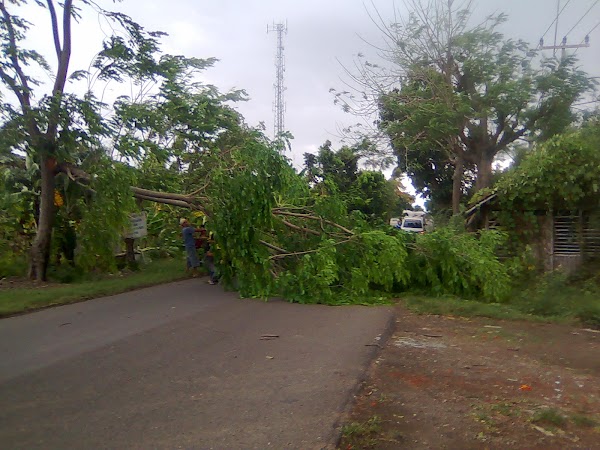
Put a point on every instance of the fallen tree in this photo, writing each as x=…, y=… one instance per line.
x=275, y=236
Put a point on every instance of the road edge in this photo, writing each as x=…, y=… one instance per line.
x=346, y=407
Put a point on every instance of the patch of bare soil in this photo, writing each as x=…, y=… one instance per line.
x=456, y=383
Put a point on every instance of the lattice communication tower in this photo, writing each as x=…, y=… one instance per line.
x=279, y=103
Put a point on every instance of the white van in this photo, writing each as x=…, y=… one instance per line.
x=413, y=224
x=413, y=221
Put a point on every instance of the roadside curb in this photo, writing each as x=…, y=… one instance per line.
x=346, y=407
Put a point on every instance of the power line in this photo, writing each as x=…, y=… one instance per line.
x=591, y=31
x=563, y=45
x=586, y=39
x=582, y=17
x=555, y=19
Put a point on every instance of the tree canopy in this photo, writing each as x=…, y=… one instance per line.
x=453, y=95
x=562, y=173
x=364, y=191
x=62, y=131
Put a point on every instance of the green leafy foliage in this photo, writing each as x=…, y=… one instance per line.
x=449, y=262
x=17, y=226
x=315, y=237
x=105, y=216
x=479, y=95
x=164, y=234
x=562, y=173
x=169, y=117
x=364, y=191
x=556, y=295
x=274, y=236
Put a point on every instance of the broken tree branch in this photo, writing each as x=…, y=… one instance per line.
x=158, y=194
x=301, y=229
x=273, y=247
x=311, y=217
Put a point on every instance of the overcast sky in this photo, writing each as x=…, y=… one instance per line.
x=320, y=32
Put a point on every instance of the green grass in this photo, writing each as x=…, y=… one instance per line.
x=554, y=295
x=549, y=416
x=506, y=409
x=581, y=420
x=25, y=299
x=453, y=306
x=563, y=305
x=551, y=297
x=362, y=434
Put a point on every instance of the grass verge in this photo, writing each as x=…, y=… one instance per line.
x=552, y=297
x=572, y=307
x=13, y=301
x=453, y=306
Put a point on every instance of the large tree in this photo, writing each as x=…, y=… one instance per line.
x=461, y=93
x=63, y=127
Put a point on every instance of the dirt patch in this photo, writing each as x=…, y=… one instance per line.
x=445, y=382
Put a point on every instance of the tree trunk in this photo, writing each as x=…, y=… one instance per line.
x=484, y=171
x=40, y=249
x=130, y=252
x=459, y=170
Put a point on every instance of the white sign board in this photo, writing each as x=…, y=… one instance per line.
x=138, y=227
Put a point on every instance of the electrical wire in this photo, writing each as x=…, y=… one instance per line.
x=587, y=35
x=555, y=19
x=582, y=17
x=590, y=32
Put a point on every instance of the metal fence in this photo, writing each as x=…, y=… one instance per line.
x=576, y=234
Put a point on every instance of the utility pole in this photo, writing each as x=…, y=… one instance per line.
x=556, y=26
x=563, y=45
x=279, y=103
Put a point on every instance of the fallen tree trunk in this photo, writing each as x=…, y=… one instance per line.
x=169, y=198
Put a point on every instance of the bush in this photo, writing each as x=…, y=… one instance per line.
x=556, y=295
x=12, y=265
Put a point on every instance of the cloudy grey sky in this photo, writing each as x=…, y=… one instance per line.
x=321, y=32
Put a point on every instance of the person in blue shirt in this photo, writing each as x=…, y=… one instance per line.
x=192, y=261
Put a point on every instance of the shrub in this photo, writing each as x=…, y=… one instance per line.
x=11, y=264
x=555, y=294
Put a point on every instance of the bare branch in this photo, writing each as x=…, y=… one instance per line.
x=285, y=255
x=311, y=217
x=184, y=201
x=61, y=71
x=54, y=27
x=301, y=229
x=273, y=247
x=158, y=194
x=24, y=98
x=168, y=201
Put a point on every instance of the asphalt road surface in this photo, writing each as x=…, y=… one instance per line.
x=183, y=365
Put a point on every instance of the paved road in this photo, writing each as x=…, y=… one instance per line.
x=181, y=366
